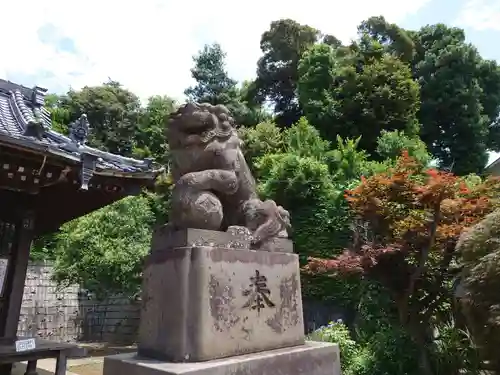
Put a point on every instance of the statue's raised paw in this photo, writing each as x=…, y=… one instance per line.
x=196, y=209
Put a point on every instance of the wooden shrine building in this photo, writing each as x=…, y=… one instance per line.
x=47, y=179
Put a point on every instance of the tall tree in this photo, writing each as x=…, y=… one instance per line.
x=460, y=91
x=214, y=86
x=113, y=113
x=277, y=70
x=359, y=91
x=452, y=76
x=391, y=36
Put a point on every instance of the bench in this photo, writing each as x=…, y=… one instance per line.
x=43, y=349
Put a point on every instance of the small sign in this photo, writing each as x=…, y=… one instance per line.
x=25, y=345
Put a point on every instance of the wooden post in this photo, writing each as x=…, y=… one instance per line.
x=61, y=363
x=31, y=368
x=16, y=276
x=19, y=266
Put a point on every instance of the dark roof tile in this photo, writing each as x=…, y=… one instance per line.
x=22, y=108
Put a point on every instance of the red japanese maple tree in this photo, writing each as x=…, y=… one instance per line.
x=408, y=221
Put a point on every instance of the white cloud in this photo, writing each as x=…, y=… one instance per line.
x=480, y=15
x=148, y=45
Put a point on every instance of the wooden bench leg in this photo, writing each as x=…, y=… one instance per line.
x=31, y=368
x=61, y=364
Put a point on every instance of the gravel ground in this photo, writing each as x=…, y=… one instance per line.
x=90, y=369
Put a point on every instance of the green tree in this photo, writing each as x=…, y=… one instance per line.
x=302, y=139
x=113, y=113
x=453, y=77
x=358, y=94
x=298, y=177
x=277, y=70
x=394, y=39
x=103, y=251
x=391, y=144
x=265, y=138
x=151, y=140
x=59, y=115
x=459, y=91
x=247, y=112
x=214, y=86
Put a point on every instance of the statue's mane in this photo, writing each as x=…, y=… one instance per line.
x=199, y=124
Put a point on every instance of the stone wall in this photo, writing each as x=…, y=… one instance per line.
x=70, y=315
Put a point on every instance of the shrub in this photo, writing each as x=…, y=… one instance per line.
x=480, y=250
x=338, y=333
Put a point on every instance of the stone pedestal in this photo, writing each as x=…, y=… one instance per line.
x=312, y=358
x=213, y=306
x=205, y=302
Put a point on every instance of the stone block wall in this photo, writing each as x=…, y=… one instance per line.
x=70, y=315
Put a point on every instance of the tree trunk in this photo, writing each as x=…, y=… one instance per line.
x=419, y=333
x=421, y=338
x=424, y=362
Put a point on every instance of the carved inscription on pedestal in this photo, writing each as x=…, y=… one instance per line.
x=259, y=295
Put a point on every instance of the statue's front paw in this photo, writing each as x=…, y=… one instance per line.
x=202, y=210
x=228, y=182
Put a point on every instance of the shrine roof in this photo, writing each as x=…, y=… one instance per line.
x=25, y=123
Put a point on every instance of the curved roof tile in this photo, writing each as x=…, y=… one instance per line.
x=25, y=121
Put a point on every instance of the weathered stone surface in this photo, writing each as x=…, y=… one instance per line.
x=164, y=237
x=214, y=188
x=313, y=358
x=205, y=302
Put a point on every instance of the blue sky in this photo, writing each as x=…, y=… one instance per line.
x=148, y=45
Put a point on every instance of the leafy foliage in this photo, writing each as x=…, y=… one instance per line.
x=386, y=353
x=277, y=70
x=265, y=138
x=151, y=141
x=299, y=178
x=391, y=144
x=113, y=113
x=455, y=351
x=103, y=251
x=214, y=86
x=361, y=93
x=59, y=115
x=338, y=333
x=458, y=129
x=408, y=223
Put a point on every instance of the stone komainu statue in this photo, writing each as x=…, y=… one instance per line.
x=214, y=188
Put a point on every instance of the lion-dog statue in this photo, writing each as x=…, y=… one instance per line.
x=214, y=188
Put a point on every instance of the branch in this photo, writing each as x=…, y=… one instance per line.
x=434, y=298
x=424, y=255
